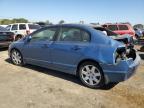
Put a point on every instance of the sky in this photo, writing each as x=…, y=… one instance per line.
x=89, y=11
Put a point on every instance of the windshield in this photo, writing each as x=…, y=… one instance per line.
x=3, y=29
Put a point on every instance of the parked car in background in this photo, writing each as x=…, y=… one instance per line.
x=42, y=24
x=6, y=37
x=138, y=33
x=143, y=32
x=4, y=26
x=121, y=29
x=126, y=39
x=78, y=50
x=22, y=29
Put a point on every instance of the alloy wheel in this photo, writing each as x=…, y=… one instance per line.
x=16, y=57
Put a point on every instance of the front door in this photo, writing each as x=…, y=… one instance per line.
x=37, y=51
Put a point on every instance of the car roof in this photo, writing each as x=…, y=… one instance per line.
x=83, y=26
x=23, y=23
x=116, y=24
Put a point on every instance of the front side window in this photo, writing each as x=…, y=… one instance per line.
x=123, y=27
x=112, y=27
x=15, y=27
x=73, y=34
x=22, y=27
x=44, y=35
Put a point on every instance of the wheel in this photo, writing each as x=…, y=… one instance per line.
x=16, y=57
x=91, y=75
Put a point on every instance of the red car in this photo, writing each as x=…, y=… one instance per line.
x=120, y=29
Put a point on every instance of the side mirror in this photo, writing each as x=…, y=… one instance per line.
x=29, y=38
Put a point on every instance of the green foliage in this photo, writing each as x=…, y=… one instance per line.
x=15, y=20
x=61, y=21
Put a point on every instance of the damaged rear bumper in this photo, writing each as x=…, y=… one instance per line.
x=122, y=71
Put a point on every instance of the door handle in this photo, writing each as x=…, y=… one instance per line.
x=45, y=46
x=76, y=48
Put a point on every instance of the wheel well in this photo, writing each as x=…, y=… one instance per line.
x=19, y=35
x=15, y=49
x=83, y=61
x=22, y=63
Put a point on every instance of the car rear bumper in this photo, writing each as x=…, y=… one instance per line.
x=122, y=71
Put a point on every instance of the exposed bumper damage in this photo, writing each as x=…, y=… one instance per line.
x=124, y=68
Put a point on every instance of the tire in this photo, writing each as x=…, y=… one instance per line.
x=16, y=57
x=91, y=75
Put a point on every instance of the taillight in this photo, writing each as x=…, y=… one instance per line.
x=27, y=32
x=132, y=33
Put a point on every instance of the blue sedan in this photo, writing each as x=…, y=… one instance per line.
x=79, y=50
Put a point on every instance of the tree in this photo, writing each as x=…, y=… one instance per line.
x=5, y=21
x=19, y=20
x=81, y=22
x=61, y=21
x=47, y=22
x=15, y=20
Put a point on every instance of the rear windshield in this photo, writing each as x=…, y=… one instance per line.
x=34, y=26
x=3, y=29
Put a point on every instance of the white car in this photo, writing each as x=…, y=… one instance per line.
x=22, y=29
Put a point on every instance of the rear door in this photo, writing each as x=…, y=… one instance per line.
x=69, y=48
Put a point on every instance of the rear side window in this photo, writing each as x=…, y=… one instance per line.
x=85, y=36
x=22, y=27
x=123, y=27
x=33, y=26
x=112, y=27
x=73, y=35
x=15, y=27
x=70, y=34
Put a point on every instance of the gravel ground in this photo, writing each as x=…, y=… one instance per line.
x=35, y=87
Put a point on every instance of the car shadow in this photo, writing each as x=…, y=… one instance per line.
x=142, y=56
x=62, y=75
x=3, y=49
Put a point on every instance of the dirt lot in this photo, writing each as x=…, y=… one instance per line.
x=34, y=87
